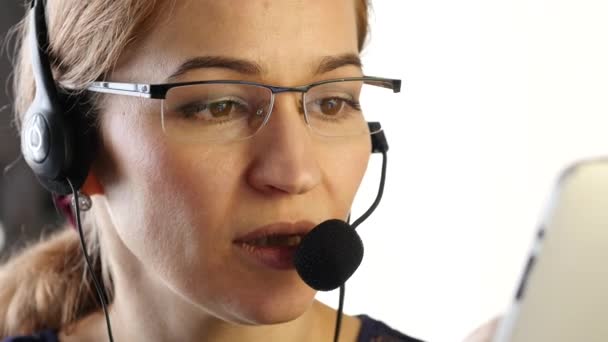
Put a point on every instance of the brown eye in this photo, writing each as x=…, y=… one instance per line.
x=331, y=106
x=220, y=109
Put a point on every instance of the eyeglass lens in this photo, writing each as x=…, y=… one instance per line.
x=229, y=112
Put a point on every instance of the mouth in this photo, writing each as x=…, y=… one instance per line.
x=275, y=241
x=273, y=245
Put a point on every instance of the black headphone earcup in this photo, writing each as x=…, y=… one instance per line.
x=83, y=138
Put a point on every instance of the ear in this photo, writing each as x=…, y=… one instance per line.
x=91, y=185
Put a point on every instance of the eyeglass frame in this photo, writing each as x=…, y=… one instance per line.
x=159, y=91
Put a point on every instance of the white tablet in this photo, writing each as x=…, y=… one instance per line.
x=563, y=294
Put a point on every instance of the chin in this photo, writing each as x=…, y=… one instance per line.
x=274, y=308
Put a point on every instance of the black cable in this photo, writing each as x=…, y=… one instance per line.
x=354, y=226
x=100, y=293
x=378, y=196
x=340, y=305
x=339, y=316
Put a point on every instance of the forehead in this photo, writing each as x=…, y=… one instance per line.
x=283, y=36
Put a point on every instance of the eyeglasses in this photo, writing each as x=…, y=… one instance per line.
x=225, y=110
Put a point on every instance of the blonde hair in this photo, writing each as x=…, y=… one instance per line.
x=46, y=285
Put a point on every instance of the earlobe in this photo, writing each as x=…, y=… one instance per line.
x=92, y=186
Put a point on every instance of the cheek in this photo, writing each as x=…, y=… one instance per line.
x=345, y=164
x=165, y=200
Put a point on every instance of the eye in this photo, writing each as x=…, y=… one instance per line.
x=222, y=108
x=331, y=106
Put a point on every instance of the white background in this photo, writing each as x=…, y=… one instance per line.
x=498, y=97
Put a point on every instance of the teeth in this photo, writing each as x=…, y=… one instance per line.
x=293, y=240
x=277, y=240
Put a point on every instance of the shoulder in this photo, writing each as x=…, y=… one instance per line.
x=43, y=336
x=376, y=331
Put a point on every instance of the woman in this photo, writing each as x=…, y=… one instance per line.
x=184, y=197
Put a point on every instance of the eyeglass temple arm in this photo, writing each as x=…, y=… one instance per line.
x=394, y=85
x=130, y=89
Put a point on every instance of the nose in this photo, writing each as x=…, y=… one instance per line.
x=285, y=158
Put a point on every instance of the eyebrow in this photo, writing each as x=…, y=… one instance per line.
x=239, y=65
x=243, y=66
x=329, y=63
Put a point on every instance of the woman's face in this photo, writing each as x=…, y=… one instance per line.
x=176, y=209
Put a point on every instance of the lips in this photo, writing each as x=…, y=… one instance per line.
x=274, y=233
x=290, y=240
x=274, y=245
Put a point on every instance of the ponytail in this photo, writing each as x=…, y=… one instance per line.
x=46, y=286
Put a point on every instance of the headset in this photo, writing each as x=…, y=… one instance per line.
x=59, y=140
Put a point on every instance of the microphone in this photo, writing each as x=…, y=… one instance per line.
x=328, y=255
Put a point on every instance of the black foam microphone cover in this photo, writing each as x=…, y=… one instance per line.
x=328, y=255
